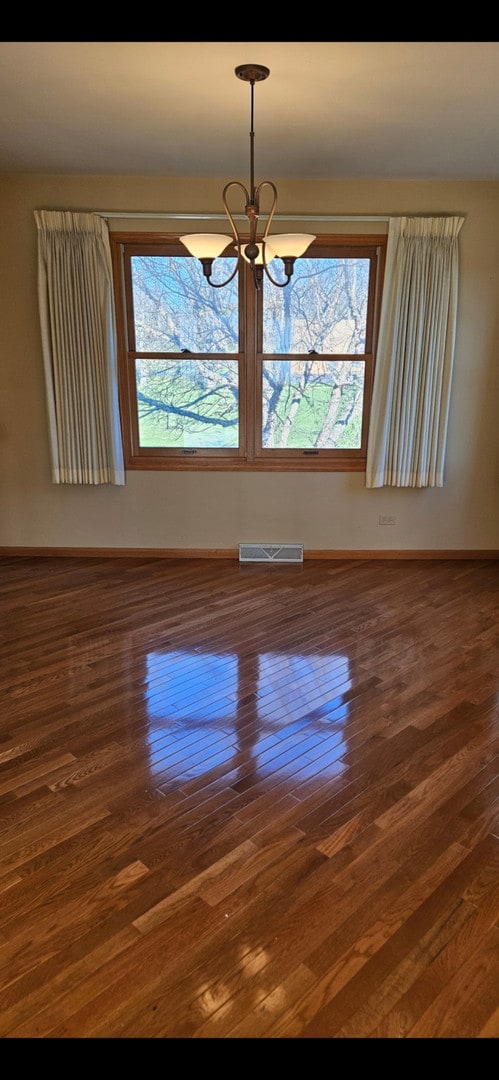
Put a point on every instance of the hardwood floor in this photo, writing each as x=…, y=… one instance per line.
x=249, y=801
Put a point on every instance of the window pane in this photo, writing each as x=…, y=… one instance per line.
x=312, y=403
x=175, y=310
x=188, y=403
x=324, y=307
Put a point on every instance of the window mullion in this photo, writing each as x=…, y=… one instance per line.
x=252, y=313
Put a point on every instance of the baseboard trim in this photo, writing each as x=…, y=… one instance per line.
x=233, y=553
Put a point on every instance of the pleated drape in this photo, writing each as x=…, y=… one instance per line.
x=415, y=355
x=77, y=318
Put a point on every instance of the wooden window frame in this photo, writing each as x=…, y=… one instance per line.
x=250, y=456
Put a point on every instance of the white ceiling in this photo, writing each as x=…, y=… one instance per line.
x=329, y=110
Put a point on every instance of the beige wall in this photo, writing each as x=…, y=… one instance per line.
x=324, y=511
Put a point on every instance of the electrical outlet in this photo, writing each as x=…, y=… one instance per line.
x=387, y=519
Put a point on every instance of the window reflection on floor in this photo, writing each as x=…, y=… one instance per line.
x=211, y=709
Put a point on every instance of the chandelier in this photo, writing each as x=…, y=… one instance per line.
x=258, y=251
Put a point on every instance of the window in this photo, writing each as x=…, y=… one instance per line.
x=232, y=378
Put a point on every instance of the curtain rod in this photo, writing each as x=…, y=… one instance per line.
x=223, y=217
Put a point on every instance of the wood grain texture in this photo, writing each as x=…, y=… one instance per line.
x=249, y=801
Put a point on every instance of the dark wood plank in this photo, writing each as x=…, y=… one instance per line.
x=249, y=801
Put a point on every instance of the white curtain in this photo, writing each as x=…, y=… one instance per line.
x=415, y=354
x=76, y=304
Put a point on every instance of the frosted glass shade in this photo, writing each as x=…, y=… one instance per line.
x=205, y=245
x=289, y=245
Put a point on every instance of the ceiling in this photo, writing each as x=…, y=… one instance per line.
x=328, y=110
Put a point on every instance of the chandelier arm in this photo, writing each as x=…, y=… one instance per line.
x=219, y=284
x=207, y=263
x=279, y=284
x=232, y=184
x=263, y=184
